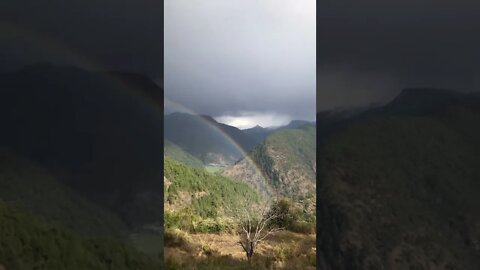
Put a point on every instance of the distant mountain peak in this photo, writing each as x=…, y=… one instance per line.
x=423, y=100
x=257, y=127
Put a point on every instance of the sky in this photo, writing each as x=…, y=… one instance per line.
x=253, y=61
x=96, y=34
x=244, y=62
x=368, y=51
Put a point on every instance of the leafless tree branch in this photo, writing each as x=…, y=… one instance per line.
x=255, y=225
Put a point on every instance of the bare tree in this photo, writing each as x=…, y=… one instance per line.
x=255, y=224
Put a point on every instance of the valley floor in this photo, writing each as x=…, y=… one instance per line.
x=283, y=250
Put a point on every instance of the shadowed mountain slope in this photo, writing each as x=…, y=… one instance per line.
x=206, y=139
x=98, y=132
x=398, y=186
x=258, y=133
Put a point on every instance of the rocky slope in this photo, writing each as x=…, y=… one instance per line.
x=283, y=165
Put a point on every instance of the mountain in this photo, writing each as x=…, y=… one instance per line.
x=296, y=124
x=410, y=102
x=418, y=101
x=99, y=133
x=398, y=185
x=258, y=133
x=206, y=139
x=176, y=153
x=284, y=164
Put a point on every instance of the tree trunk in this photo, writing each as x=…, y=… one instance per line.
x=250, y=249
x=249, y=255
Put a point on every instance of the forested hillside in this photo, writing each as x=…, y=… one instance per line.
x=398, y=188
x=200, y=200
x=28, y=242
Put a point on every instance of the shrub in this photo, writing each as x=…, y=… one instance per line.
x=177, y=238
x=292, y=217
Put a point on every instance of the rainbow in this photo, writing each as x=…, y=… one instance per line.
x=227, y=137
x=52, y=49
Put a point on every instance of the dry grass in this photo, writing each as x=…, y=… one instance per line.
x=283, y=250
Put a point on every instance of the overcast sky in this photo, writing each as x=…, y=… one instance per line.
x=100, y=34
x=369, y=50
x=256, y=58
x=245, y=62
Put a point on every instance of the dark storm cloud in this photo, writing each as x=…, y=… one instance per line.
x=369, y=50
x=126, y=35
x=241, y=57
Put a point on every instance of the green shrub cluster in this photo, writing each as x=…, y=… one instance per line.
x=292, y=217
x=187, y=221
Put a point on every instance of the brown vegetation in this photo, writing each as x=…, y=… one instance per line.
x=281, y=250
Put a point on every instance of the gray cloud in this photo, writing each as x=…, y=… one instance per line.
x=126, y=35
x=239, y=56
x=370, y=50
